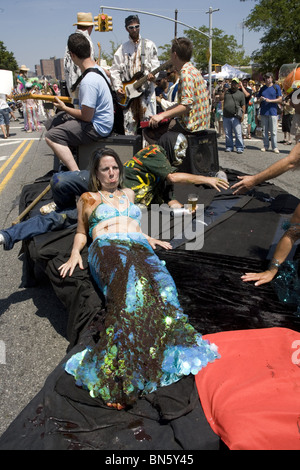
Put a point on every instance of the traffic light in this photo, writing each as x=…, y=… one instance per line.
x=104, y=23
x=109, y=24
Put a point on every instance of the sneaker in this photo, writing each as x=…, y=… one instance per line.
x=228, y=150
x=263, y=149
x=48, y=208
x=2, y=240
x=239, y=151
x=276, y=151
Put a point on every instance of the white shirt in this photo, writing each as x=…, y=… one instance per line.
x=3, y=103
x=127, y=61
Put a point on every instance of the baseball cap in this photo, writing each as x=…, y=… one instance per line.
x=235, y=79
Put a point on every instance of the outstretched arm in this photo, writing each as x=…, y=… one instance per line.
x=214, y=182
x=278, y=168
x=282, y=250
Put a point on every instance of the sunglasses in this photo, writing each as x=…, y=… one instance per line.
x=133, y=26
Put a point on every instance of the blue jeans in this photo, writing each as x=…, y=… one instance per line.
x=269, y=124
x=233, y=125
x=56, y=220
x=65, y=187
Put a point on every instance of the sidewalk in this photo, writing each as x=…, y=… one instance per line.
x=252, y=161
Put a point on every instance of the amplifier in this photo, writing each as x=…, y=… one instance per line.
x=202, y=154
x=125, y=145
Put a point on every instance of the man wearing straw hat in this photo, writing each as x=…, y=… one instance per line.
x=84, y=25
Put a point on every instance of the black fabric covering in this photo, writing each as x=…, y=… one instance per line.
x=63, y=416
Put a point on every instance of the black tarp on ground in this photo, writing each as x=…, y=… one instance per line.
x=63, y=416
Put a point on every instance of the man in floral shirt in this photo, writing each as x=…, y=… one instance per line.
x=192, y=112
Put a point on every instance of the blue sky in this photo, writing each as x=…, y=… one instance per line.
x=38, y=29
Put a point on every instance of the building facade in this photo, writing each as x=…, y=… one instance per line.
x=51, y=68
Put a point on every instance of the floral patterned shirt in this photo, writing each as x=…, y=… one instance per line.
x=192, y=92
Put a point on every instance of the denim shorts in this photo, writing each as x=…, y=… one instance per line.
x=4, y=116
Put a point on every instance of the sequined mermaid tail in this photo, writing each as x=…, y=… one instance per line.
x=147, y=341
x=287, y=284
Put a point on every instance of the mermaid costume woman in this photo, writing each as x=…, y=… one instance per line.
x=146, y=342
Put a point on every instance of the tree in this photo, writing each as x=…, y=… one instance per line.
x=7, y=59
x=225, y=49
x=109, y=56
x=278, y=20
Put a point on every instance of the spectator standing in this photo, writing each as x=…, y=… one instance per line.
x=288, y=112
x=218, y=102
x=233, y=114
x=248, y=93
x=4, y=116
x=269, y=97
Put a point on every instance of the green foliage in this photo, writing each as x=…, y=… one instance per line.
x=278, y=21
x=225, y=49
x=7, y=59
x=108, y=56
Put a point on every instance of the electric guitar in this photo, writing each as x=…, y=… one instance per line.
x=35, y=96
x=132, y=88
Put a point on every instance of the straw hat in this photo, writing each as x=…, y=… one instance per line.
x=84, y=19
x=23, y=67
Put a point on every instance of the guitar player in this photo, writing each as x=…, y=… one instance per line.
x=136, y=56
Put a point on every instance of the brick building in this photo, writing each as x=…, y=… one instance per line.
x=51, y=68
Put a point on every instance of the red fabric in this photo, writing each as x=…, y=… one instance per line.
x=251, y=395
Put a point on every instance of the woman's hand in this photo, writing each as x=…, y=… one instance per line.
x=260, y=278
x=217, y=183
x=154, y=242
x=71, y=264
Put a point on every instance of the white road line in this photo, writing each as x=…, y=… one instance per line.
x=11, y=142
x=19, y=139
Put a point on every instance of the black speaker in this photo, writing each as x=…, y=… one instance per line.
x=202, y=154
x=125, y=145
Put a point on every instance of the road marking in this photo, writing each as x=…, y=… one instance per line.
x=11, y=142
x=12, y=156
x=17, y=139
x=15, y=166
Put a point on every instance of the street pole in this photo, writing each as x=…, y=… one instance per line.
x=210, y=12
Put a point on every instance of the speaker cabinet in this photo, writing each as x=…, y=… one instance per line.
x=202, y=154
x=125, y=145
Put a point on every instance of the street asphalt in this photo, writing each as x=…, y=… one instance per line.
x=32, y=320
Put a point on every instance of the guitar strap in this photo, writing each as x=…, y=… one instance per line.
x=90, y=69
x=143, y=55
x=118, y=114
